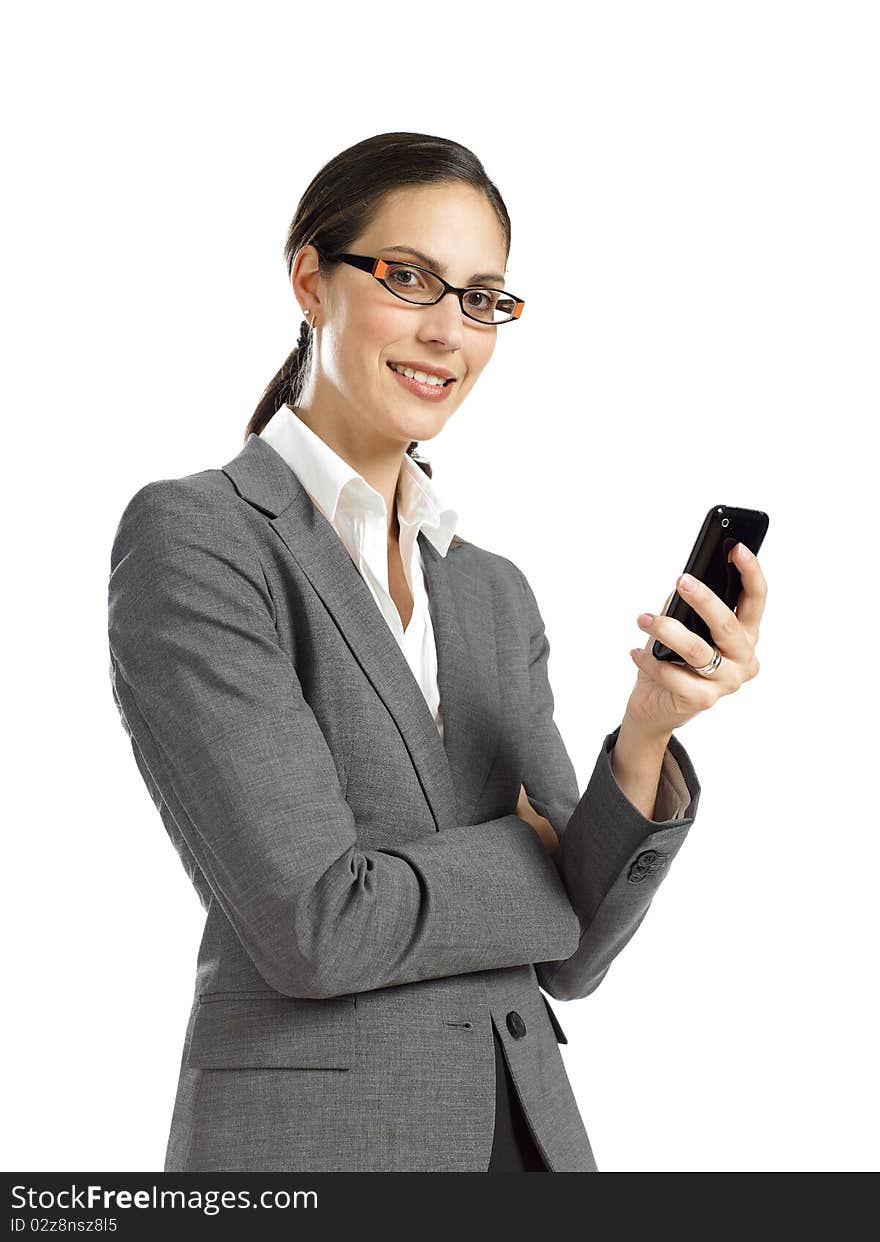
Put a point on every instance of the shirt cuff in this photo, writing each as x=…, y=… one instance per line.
x=673, y=795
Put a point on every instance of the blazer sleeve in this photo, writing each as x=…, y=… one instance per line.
x=611, y=858
x=216, y=716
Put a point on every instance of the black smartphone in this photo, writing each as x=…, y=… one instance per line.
x=723, y=528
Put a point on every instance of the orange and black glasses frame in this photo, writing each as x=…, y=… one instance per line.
x=511, y=305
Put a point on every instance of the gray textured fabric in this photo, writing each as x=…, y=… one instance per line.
x=372, y=901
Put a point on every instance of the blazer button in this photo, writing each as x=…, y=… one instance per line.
x=647, y=861
x=515, y=1024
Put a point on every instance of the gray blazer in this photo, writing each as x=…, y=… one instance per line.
x=372, y=901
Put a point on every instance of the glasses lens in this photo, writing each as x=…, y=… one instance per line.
x=414, y=285
x=489, y=305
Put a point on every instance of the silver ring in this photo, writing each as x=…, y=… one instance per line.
x=708, y=669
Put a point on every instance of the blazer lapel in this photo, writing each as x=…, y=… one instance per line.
x=452, y=771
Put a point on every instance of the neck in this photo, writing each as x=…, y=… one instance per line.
x=377, y=459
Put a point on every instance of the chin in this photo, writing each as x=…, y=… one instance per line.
x=408, y=425
x=424, y=428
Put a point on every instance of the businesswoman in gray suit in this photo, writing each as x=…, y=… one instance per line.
x=341, y=709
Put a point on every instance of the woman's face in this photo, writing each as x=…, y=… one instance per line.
x=362, y=327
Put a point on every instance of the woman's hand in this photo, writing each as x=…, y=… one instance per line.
x=667, y=695
x=542, y=826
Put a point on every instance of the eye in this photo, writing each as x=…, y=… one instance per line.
x=398, y=276
x=481, y=299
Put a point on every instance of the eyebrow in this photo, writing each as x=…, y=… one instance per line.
x=426, y=259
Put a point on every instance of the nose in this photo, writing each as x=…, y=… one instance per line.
x=443, y=322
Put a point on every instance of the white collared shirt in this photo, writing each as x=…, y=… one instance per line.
x=358, y=515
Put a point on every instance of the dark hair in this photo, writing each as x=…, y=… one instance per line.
x=340, y=203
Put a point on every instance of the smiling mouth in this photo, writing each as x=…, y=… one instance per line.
x=445, y=383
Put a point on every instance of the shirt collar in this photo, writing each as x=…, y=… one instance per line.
x=325, y=476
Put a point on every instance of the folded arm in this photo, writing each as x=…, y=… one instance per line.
x=217, y=718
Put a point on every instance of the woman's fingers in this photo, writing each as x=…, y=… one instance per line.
x=728, y=632
x=684, y=642
x=651, y=637
x=753, y=597
x=542, y=826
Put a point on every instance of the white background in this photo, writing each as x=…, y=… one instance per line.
x=695, y=206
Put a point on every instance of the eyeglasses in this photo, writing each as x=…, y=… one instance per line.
x=423, y=287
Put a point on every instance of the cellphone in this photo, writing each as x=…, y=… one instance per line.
x=722, y=528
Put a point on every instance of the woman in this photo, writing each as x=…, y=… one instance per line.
x=342, y=711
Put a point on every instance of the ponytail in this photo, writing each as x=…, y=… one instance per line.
x=286, y=386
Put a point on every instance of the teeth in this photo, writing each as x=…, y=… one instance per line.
x=421, y=376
